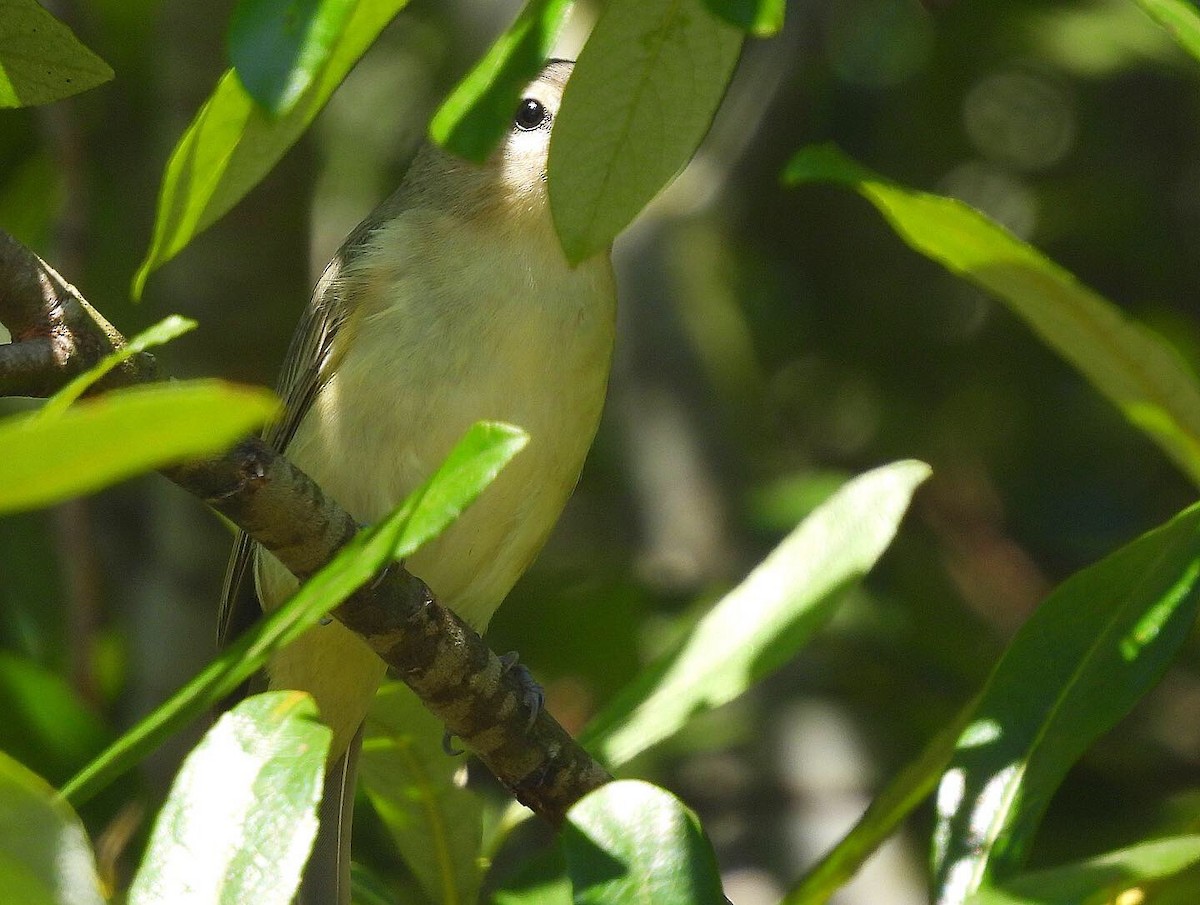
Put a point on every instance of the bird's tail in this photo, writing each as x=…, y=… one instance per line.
x=326, y=878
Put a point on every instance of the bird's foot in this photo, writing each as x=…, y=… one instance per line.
x=448, y=745
x=533, y=696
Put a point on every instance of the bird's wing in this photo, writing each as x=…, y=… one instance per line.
x=309, y=363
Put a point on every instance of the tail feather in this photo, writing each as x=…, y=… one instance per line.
x=326, y=878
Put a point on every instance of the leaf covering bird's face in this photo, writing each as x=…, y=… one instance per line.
x=512, y=183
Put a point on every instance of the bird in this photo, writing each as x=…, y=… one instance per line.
x=451, y=303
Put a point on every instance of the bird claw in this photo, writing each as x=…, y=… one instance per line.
x=448, y=745
x=533, y=696
x=377, y=580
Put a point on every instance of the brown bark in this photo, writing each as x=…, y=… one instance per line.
x=57, y=334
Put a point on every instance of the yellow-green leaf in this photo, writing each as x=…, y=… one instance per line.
x=1088, y=654
x=41, y=60
x=632, y=843
x=1179, y=18
x=906, y=789
x=638, y=104
x=762, y=622
x=126, y=432
x=761, y=18
x=45, y=858
x=435, y=823
x=468, y=469
x=162, y=332
x=1115, y=877
x=278, y=47
x=479, y=111
x=1126, y=361
x=241, y=817
x=232, y=143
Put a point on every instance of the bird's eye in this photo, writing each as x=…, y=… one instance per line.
x=530, y=115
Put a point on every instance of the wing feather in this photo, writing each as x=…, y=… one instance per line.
x=309, y=362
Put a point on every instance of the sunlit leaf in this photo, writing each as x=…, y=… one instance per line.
x=471, y=466
x=1179, y=18
x=279, y=47
x=435, y=823
x=125, y=432
x=241, y=817
x=232, y=143
x=1096, y=645
x=1126, y=361
x=631, y=843
x=907, y=789
x=41, y=60
x=761, y=18
x=476, y=115
x=641, y=98
x=1098, y=41
x=45, y=858
x=1116, y=877
x=761, y=624
x=781, y=504
x=163, y=332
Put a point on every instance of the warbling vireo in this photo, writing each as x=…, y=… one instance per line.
x=451, y=303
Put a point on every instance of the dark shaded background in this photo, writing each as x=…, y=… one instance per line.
x=771, y=342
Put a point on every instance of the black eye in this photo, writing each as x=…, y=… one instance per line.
x=530, y=115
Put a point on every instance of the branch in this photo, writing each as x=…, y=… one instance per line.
x=57, y=334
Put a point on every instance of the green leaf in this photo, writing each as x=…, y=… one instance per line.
x=1093, y=648
x=471, y=466
x=44, y=722
x=232, y=143
x=1113, y=877
x=478, y=113
x=45, y=858
x=781, y=504
x=41, y=60
x=541, y=880
x=898, y=799
x=241, y=817
x=1179, y=18
x=125, y=432
x=1127, y=362
x=641, y=98
x=762, y=18
x=368, y=888
x=631, y=843
x=279, y=47
x=163, y=332
x=435, y=823
x=761, y=624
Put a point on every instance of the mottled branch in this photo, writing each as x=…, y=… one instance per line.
x=57, y=334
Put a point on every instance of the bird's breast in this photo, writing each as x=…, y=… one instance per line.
x=445, y=331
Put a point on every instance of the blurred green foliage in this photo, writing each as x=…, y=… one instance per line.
x=768, y=339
